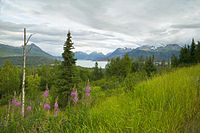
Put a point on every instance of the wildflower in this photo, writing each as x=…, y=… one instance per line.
x=46, y=92
x=46, y=106
x=87, y=89
x=13, y=101
x=74, y=95
x=29, y=108
x=16, y=103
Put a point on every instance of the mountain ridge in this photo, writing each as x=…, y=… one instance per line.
x=160, y=53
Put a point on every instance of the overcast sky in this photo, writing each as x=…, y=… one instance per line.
x=99, y=25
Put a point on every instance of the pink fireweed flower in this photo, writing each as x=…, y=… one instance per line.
x=74, y=95
x=29, y=108
x=46, y=93
x=16, y=103
x=13, y=101
x=46, y=106
x=87, y=89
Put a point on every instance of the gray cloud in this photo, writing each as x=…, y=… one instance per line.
x=99, y=24
x=186, y=26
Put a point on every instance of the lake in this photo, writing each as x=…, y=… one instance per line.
x=90, y=63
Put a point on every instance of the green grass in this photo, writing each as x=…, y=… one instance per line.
x=168, y=103
x=163, y=104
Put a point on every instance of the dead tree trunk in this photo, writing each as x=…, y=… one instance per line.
x=24, y=72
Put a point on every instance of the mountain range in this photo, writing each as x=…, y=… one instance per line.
x=37, y=56
x=160, y=53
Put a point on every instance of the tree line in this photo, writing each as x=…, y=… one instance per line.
x=189, y=54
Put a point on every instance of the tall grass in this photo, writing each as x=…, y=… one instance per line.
x=162, y=104
x=166, y=103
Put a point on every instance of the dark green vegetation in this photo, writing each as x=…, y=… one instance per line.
x=189, y=54
x=129, y=95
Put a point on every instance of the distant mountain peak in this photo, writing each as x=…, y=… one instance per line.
x=146, y=48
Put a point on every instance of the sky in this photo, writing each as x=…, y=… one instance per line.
x=99, y=25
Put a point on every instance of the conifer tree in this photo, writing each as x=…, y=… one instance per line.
x=97, y=72
x=197, y=52
x=192, y=52
x=174, y=61
x=149, y=66
x=68, y=72
x=184, y=56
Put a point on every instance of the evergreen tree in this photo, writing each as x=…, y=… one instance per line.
x=119, y=67
x=174, y=61
x=149, y=66
x=197, y=52
x=184, y=56
x=192, y=52
x=68, y=72
x=97, y=72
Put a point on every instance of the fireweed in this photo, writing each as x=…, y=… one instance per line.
x=16, y=103
x=87, y=89
x=47, y=106
x=46, y=93
x=74, y=95
x=29, y=108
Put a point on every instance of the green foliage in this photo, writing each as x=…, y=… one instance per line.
x=132, y=79
x=33, y=86
x=149, y=66
x=184, y=55
x=119, y=67
x=9, y=81
x=166, y=103
x=68, y=72
x=31, y=60
x=197, y=52
x=190, y=54
x=97, y=72
x=174, y=61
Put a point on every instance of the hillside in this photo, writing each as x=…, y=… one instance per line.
x=167, y=103
x=9, y=51
x=36, y=56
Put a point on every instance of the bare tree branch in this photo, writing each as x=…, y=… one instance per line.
x=29, y=38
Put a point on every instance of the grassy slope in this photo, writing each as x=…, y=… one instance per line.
x=163, y=104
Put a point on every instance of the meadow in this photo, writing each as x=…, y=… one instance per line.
x=168, y=103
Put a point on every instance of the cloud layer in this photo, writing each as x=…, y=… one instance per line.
x=98, y=25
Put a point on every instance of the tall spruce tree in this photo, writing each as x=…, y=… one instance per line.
x=68, y=71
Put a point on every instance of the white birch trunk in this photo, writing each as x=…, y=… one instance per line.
x=24, y=72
